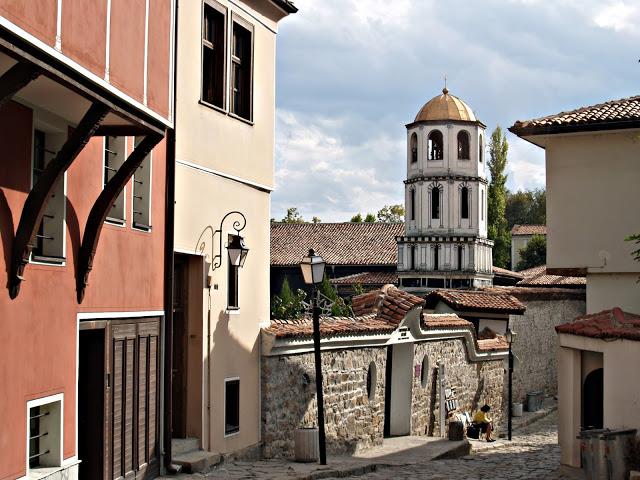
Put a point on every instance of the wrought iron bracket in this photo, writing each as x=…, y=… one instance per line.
x=103, y=205
x=16, y=78
x=238, y=226
x=38, y=198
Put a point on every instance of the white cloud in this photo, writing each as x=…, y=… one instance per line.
x=620, y=17
x=525, y=166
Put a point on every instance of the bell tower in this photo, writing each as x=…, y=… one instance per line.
x=445, y=241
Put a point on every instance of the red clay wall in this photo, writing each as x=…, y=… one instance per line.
x=84, y=40
x=38, y=330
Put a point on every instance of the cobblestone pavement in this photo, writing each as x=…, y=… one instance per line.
x=533, y=454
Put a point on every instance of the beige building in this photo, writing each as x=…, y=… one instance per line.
x=521, y=235
x=592, y=194
x=225, y=106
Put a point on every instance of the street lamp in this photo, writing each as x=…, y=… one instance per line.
x=510, y=337
x=312, y=267
x=237, y=250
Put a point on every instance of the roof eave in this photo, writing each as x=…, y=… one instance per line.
x=524, y=131
x=285, y=5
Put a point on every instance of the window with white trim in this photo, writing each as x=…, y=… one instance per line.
x=113, y=158
x=213, y=53
x=141, y=202
x=44, y=431
x=231, y=406
x=50, y=236
x=241, y=69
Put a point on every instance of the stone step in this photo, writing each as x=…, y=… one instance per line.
x=183, y=445
x=196, y=460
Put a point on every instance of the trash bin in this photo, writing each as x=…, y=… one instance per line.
x=516, y=409
x=534, y=401
x=615, y=452
x=592, y=450
x=306, y=444
x=456, y=431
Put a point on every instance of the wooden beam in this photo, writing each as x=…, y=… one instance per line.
x=122, y=131
x=36, y=203
x=103, y=205
x=16, y=78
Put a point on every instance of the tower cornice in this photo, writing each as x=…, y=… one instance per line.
x=444, y=178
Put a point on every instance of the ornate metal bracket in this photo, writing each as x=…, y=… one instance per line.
x=102, y=206
x=238, y=226
x=15, y=79
x=36, y=203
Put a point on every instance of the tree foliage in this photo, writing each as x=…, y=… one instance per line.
x=498, y=230
x=288, y=304
x=293, y=216
x=316, y=220
x=357, y=218
x=370, y=218
x=339, y=308
x=526, y=207
x=534, y=254
x=391, y=214
x=636, y=253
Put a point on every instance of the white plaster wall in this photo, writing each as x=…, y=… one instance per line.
x=518, y=242
x=605, y=291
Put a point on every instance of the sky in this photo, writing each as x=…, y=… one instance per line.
x=352, y=73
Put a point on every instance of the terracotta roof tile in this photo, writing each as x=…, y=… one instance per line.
x=338, y=243
x=476, y=300
x=443, y=320
x=608, y=324
x=506, y=273
x=492, y=344
x=623, y=113
x=529, y=230
x=537, y=276
x=389, y=303
x=367, y=278
x=330, y=326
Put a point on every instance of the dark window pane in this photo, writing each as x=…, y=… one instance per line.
x=231, y=406
x=435, y=203
x=464, y=194
x=232, y=301
x=241, y=73
x=213, y=57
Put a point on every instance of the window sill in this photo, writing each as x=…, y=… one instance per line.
x=213, y=107
x=232, y=434
x=42, y=260
x=232, y=311
x=141, y=228
x=242, y=119
x=115, y=221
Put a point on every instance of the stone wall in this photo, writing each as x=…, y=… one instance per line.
x=475, y=384
x=353, y=422
x=536, y=344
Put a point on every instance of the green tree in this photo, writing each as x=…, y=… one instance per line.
x=526, y=207
x=357, y=218
x=534, y=254
x=293, y=216
x=339, y=308
x=288, y=304
x=636, y=253
x=316, y=220
x=391, y=214
x=498, y=230
x=370, y=218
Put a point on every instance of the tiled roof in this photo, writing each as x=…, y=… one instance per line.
x=338, y=243
x=623, y=113
x=367, y=278
x=492, y=344
x=388, y=303
x=476, y=300
x=537, y=276
x=506, y=273
x=286, y=5
x=443, y=320
x=608, y=324
x=529, y=230
x=330, y=326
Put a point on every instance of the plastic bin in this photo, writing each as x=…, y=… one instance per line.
x=534, y=401
x=615, y=452
x=516, y=410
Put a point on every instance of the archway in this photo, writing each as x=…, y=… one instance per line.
x=592, y=400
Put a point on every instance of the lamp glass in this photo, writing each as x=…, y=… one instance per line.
x=510, y=336
x=237, y=250
x=312, y=267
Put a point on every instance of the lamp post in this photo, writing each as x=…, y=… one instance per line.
x=510, y=336
x=312, y=267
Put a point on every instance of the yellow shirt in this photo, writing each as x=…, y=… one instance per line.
x=481, y=417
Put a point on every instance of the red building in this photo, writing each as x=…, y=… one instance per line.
x=86, y=100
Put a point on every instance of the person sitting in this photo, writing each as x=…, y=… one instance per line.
x=482, y=420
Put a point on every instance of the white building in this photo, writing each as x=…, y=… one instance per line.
x=445, y=241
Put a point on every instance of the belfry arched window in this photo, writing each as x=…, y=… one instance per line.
x=463, y=145
x=413, y=204
x=414, y=148
x=436, y=145
x=435, y=257
x=480, y=148
x=464, y=202
x=435, y=203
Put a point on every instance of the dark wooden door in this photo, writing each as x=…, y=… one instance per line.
x=134, y=400
x=179, y=382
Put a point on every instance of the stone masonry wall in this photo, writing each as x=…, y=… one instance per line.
x=536, y=344
x=353, y=422
x=475, y=384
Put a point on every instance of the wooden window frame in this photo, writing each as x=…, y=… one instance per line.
x=225, y=36
x=242, y=23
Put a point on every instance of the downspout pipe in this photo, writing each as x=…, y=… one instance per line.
x=169, y=265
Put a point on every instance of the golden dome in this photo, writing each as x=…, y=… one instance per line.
x=446, y=107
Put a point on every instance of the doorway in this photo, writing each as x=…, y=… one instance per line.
x=399, y=389
x=592, y=400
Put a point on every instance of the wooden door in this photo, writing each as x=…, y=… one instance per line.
x=134, y=399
